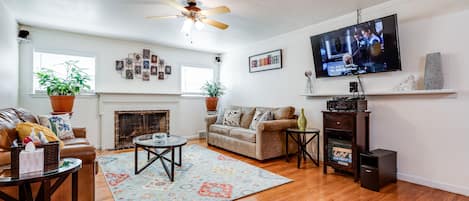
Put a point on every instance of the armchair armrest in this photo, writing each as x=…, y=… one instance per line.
x=277, y=125
x=79, y=132
x=211, y=119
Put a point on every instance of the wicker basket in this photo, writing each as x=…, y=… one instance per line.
x=51, y=158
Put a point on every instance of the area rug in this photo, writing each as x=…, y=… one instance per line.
x=204, y=175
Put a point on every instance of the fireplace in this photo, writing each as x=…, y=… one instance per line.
x=130, y=124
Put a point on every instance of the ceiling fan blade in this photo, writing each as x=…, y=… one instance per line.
x=215, y=11
x=175, y=5
x=162, y=17
x=215, y=23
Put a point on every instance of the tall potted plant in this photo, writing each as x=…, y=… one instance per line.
x=62, y=89
x=213, y=90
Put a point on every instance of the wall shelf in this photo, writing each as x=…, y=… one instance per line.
x=389, y=93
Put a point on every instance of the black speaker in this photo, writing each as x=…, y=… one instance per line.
x=353, y=87
x=377, y=169
x=23, y=34
x=218, y=59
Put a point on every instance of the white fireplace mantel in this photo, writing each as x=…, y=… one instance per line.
x=108, y=103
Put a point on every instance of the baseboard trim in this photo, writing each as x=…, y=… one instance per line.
x=433, y=184
x=192, y=137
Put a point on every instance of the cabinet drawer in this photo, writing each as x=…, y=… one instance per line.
x=338, y=121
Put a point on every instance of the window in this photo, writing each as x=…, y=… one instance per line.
x=193, y=78
x=54, y=62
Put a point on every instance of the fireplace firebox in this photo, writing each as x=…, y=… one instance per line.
x=130, y=124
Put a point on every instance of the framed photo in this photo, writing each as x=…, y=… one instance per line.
x=161, y=75
x=137, y=58
x=146, y=76
x=161, y=62
x=167, y=70
x=119, y=65
x=129, y=74
x=265, y=61
x=154, y=70
x=154, y=59
x=146, y=64
x=146, y=54
x=128, y=62
x=138, y=69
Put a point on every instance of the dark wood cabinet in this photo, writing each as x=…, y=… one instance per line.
x=378, y=168
x=346, y=133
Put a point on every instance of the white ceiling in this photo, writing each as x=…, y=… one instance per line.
x=249, y=20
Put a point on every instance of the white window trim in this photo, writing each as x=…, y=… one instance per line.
x=40, y=93
x=195, y=94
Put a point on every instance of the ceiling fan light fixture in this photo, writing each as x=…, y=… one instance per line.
x=199, y=25
x=187, y=26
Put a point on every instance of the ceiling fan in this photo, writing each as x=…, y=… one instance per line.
x=194, y=15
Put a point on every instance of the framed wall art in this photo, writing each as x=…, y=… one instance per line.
x=265, y=61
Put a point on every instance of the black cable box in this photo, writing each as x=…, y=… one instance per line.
x=347, y=104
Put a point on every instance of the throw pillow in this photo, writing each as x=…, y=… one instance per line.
x=59, y=124
x=260, y=116
x=232, y=118
x=24, y=130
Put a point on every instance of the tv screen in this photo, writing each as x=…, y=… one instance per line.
x=369, y=47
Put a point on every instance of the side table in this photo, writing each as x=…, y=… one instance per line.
x=299, y=136
x=47, y=189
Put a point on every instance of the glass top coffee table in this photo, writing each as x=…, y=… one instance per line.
x=48, y=187
x=159, y=145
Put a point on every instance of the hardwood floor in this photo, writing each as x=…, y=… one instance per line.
x=311, y=184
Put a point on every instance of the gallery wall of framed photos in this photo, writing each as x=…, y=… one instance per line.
x=144, y=66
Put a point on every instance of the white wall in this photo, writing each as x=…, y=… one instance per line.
x=430, y=133
x=106, y=51
x=8, y=59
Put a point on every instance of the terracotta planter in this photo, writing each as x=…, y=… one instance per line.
x=62, y=103
x=211, y=103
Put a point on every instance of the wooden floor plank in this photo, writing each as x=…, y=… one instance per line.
x=310, y=184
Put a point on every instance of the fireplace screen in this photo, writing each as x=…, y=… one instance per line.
x=129, y=124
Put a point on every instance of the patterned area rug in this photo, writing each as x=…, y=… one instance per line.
x=204, y=175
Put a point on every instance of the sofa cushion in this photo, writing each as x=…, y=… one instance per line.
x=60, y=124
x=8, y=121
x=76, y=141
x=247, y=113
x=260, y=117
x=220, y=129
x=232, y=118
x=284, y=113
x=26, y=115
x=280, y=112
x=243, y=134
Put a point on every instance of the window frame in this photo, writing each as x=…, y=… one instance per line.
x=84, y=92
x=188, y=93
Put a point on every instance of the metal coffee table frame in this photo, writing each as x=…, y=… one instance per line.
x=152, y=150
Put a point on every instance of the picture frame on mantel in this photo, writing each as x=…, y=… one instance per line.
x=271, y=60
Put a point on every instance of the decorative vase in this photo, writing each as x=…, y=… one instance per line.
x=62, y=103
x=302, y=120
x=433, y=72
x=211, y=103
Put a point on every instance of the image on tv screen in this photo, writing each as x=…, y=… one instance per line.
x=357, y=49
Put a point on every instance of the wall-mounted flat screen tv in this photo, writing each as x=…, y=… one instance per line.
x=369, y=47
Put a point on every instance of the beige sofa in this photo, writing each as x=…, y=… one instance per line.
x=267, y=141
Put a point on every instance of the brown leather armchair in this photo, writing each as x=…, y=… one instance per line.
x=76, y=148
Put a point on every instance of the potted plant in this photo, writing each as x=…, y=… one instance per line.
x=213, y=90
x=62, y=90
